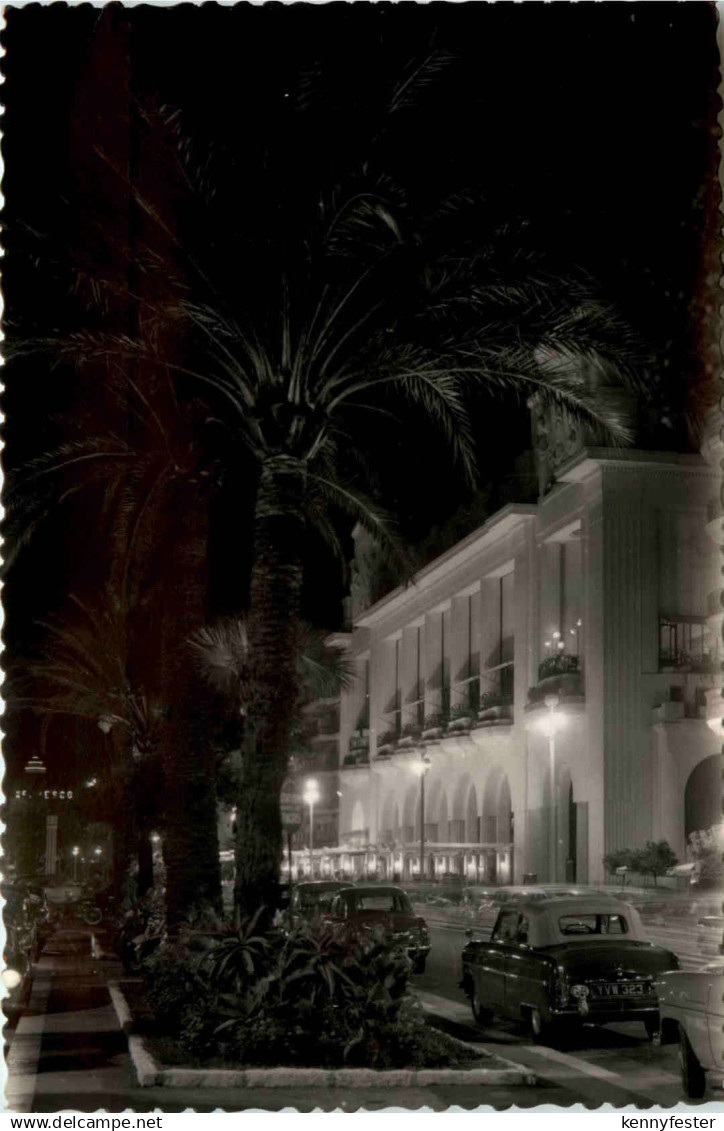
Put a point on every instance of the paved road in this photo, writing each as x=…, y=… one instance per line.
x=613, y=1064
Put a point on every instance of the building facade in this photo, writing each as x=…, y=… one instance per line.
x=548, y=690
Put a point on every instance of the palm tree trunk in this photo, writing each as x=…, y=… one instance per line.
x=275, y=595
x=190, y=839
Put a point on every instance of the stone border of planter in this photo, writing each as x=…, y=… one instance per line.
x=150, y=1073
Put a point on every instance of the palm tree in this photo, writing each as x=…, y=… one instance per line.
x=84, y=675
x=226, y=665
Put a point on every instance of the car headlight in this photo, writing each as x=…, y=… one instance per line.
x=579, y=991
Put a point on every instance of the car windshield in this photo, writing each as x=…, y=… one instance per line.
x=593, y=924
x=381, y=901
x=316, y=900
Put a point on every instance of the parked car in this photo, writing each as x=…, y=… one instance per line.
x=691, y=1004
x=558, y=962
x=314, y=897
x=492, y=899
x=388, y=909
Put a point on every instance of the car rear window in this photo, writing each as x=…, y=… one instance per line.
x=319, y=899
x=392, y=901
x=600, y=923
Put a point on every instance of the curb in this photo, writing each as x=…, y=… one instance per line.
x=336, y=1077
x=123, y=1013
x=149, y=1073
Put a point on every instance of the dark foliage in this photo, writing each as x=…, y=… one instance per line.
x=311, y=995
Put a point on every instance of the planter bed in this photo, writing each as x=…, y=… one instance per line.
x=162, y=1061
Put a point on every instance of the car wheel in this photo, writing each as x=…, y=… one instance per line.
x=543, y=1032
x=693, y=1078
x=480, y=1013
x=652, y=1025
x=91, y=915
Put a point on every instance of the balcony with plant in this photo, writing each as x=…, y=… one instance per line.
x=387, y=742
x=558, y=674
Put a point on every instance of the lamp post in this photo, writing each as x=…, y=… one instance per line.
x=311, y=795
x=550, y=725
x=75, y=853
x=422, y=768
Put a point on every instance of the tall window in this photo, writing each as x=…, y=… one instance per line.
x=471, y=671
x=686, y=642
x=507, y=638
x=443, y=679
x=419, y=704
x=363, y=718
x=398, y=692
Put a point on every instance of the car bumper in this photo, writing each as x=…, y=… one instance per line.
x=606, y=1012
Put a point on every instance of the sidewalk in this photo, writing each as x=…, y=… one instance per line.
x=68, y=1052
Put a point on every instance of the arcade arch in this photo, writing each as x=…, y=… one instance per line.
x=702, y=796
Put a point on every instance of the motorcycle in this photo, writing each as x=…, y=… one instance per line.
x=72, y=901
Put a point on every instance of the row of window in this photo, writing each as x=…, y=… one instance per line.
x=483, y=676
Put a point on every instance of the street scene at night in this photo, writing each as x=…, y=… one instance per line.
x=362, y=557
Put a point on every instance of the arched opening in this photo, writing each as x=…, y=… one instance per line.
x=389, y=822
x=497, y=829
x=572, y=857
x=411, y=815
x=358, y=831
x=472, y=820
x=458, y=824
x=702, y=796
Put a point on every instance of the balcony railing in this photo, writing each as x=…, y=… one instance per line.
x=705, y=664
x=448, y=708
x=560, y=674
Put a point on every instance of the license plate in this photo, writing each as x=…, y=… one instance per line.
x=620, y=989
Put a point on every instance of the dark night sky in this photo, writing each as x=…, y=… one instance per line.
x=596, y=122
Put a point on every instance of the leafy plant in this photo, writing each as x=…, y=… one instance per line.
x=460, y=711
x=387, y=738
x=411, y=730
x=491, y=699
x=621, y=858
x=314, y=994
x=705, y=850
x=558, y=665
x=655, y=859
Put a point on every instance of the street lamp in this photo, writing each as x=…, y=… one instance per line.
x=311, y=795
x=422, y=768
x=75, y=852
x=550, y=724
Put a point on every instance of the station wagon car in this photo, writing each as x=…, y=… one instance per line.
x=388, y=909
x=691, y=1003
x=559, y=962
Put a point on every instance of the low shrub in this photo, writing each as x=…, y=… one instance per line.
x=312, y=995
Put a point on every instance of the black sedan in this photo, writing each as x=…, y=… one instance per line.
x=556, y=963
x=387, y=909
